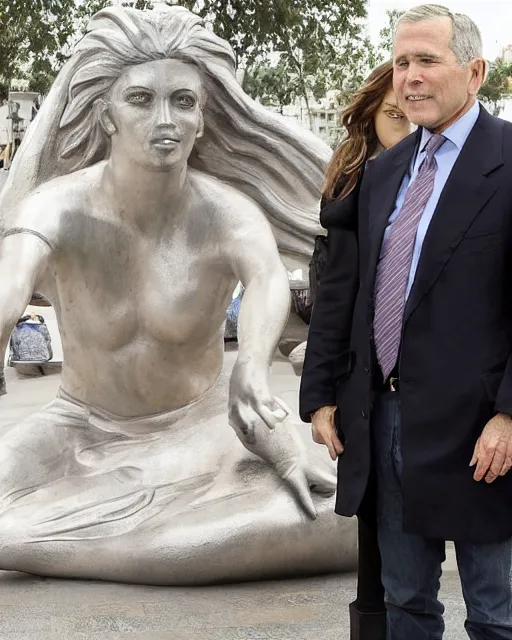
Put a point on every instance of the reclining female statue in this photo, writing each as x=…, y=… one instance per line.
x=142, y=194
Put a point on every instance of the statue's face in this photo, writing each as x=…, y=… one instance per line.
x=155, y=110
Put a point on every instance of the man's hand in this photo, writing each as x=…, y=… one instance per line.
x=493, y=450
x=324, y=431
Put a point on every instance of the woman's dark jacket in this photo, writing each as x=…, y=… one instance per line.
x=328, y=342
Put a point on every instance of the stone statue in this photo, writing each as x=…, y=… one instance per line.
x=147, y=187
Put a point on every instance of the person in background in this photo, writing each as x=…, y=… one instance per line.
x=37, y=300
x=423, y=349
x=374, y=122
x=31, y=341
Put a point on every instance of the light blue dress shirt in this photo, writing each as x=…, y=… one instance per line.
x=456, y=135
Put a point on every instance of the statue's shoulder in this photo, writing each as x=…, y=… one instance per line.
x=45, y=207
x=228, y=206
x=238, y=223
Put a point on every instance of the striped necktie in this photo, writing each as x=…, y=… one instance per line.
x=395, y=261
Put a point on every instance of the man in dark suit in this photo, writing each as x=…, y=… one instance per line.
x=422, y=376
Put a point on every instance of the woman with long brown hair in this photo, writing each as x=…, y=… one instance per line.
x=373, y=122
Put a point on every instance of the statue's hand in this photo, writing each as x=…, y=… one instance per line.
x=251, y=404
x=252, y=411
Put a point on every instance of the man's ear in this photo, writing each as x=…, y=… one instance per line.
x=107, y=124
x=487, y=68
x=479, y=72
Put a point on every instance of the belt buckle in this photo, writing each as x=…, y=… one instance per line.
x=392, y=384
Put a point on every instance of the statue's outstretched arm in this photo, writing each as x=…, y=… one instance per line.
x=265, y=305
x=263, y=315
x=257, y=416
x=23, y=257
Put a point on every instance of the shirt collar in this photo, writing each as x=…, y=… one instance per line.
x=458, y=132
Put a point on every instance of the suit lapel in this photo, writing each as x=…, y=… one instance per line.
x=468, y=189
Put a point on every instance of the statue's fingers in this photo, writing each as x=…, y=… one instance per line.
x=267, y=415
x=298, y=482
x=273, y=412
x=234, y=418
x=242, y=431
x=241, y=418
x=281, y=404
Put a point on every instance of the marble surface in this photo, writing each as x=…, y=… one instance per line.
x=149, y=185
x=33, y=608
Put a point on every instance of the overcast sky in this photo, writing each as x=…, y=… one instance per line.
x=494, y=17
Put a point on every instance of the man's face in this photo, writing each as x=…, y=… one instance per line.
x=432, y=88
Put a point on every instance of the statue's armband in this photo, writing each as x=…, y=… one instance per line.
x=17, y=230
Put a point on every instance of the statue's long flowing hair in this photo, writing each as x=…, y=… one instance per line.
x=262, y=154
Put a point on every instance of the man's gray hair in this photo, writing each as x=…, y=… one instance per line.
x=466, y=41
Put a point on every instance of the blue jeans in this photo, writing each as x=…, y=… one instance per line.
x=411, y=564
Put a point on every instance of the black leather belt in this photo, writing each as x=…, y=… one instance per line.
x=392, y=384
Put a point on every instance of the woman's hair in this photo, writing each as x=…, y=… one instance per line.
x=273, y=161
x=361, y=141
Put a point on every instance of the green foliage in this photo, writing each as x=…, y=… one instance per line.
x=42, y=76
x=359, y=57
x=387, y=33
x=497, y=86
x=4, y=91
x=314, y=41
x=288, y=48
x=36, y=35
x=32, y=30
x=87, y=8
x=272, y=85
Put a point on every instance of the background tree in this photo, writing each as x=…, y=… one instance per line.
x=272, y=85
x=42, y=76
x=85, y=9
x=387, y=33
x=4, y=91
x=497, y=87
x=313, y=39
x=32, y=30
x=289, y=48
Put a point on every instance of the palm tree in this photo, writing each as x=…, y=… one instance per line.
x=497, y=86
